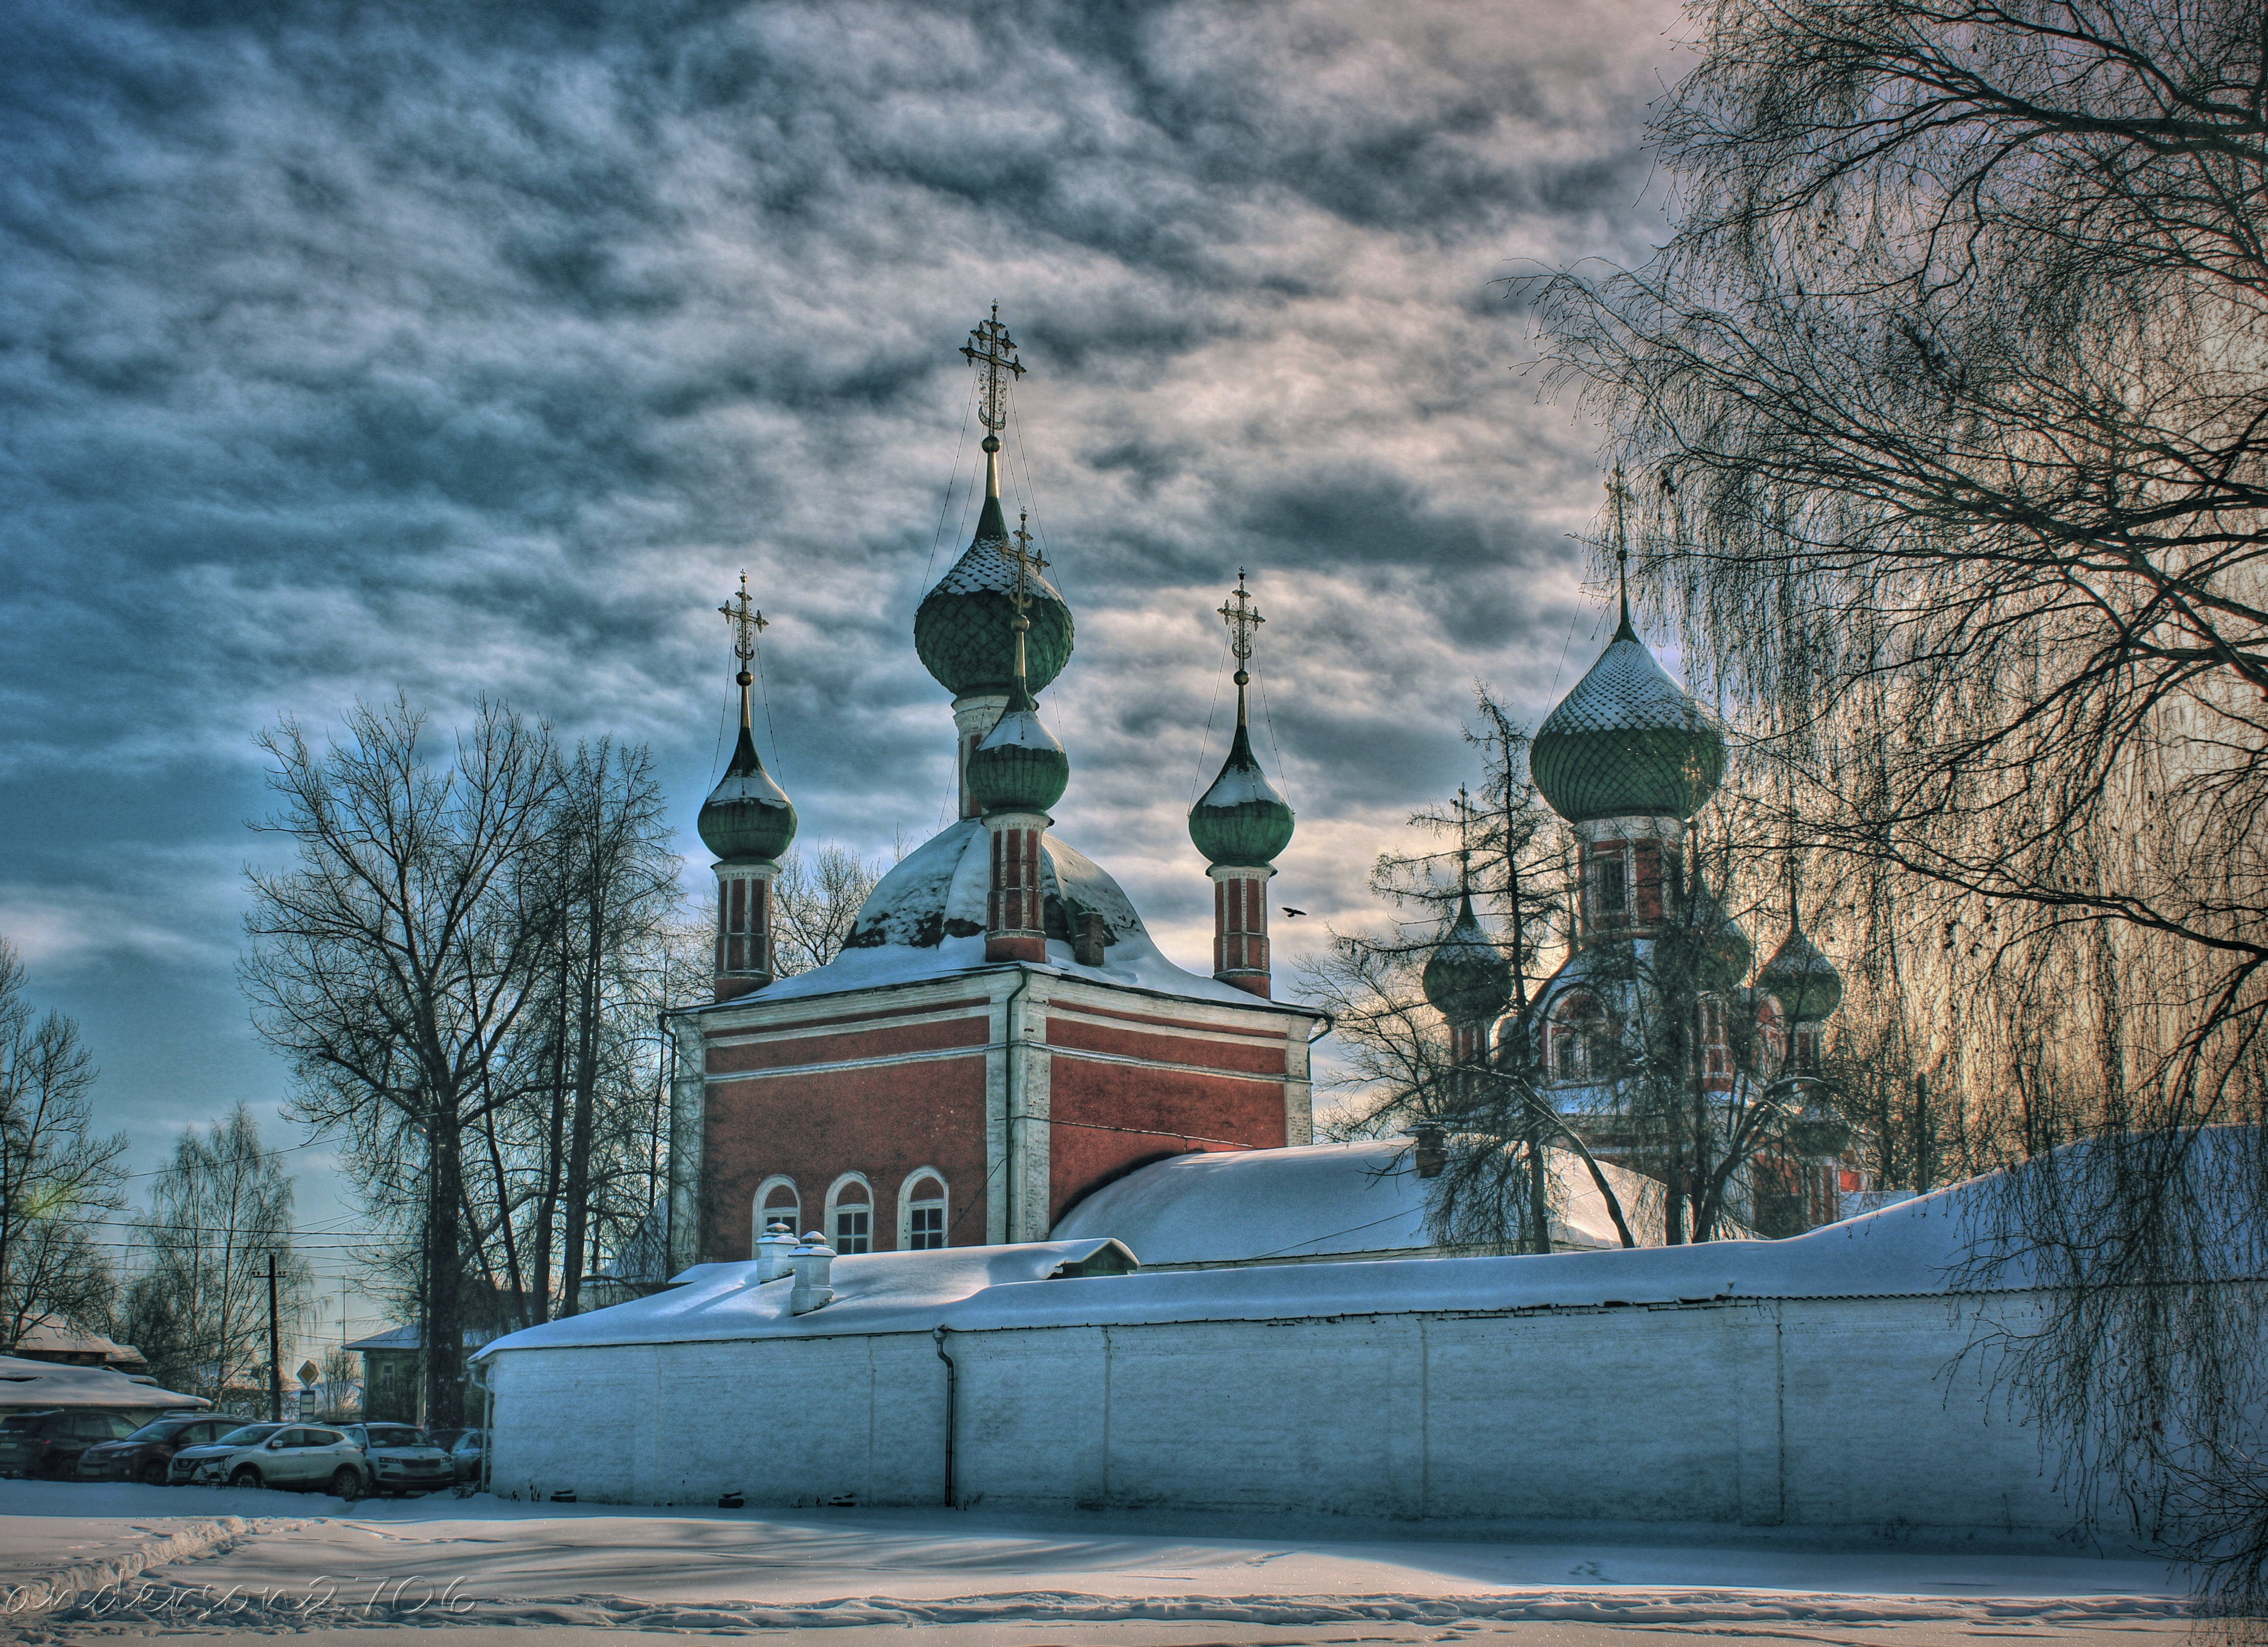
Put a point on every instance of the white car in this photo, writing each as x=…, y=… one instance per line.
x=304, y=1456
x=402, y=1459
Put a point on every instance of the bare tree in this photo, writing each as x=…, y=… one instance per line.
x=1949, y=389
x=394, y=962
x=57, y=1177
x=198, y=1308
x=815, y=902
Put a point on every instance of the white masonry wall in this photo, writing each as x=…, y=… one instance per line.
x=1856, y=1414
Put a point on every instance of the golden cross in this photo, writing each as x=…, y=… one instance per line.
x=992, y=351
x=1243, y=619
x=747, y=623
x=1029, y=562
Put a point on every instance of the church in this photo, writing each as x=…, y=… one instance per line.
x=999, y=1037
x=999, y=1042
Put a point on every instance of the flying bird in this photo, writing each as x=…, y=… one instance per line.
x=1289, y=910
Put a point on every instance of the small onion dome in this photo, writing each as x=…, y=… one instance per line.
x=1240, y=819
x=1019, y=766
x=1627, y=742
x=962, y=629
x=1467, y=977
x=1726, y=954
x=747, y=816
x=1804, y=981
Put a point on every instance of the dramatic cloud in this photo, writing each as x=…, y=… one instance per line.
x=474, y=350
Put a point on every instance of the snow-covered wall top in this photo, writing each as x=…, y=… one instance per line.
x=1313, y=1200
x=1913, y=1248
x=25, y=1384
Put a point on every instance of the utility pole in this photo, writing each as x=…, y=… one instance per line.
x=275, y=1351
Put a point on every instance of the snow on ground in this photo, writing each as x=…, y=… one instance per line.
x=261, y=1560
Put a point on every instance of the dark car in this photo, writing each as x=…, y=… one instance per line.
x=466, y=1451
x=50, y=1444
x=202, y=1461
x=145, y=1455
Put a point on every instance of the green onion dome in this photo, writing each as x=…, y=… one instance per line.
x=1240, y=819
x=1019, y=766
x=1721, y=952
x=1804, y=981
x=1627, y=742
x=961, y=629
x=747, y=816
x=1467, y=977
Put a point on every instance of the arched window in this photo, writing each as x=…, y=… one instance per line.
x=921, y=1212
x=851, y=1213
x=1576, y=1048
x=777, y=1202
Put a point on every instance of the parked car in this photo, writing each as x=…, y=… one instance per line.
x=402, y=1459
x=304, y=1456
x=199, y=1463
x=146, y=1454
x=50, y=1444
x=465, y=1454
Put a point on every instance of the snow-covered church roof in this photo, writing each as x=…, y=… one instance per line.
x=926, y=919
x=1324, y=1199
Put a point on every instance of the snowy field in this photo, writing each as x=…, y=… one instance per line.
x=88, y=1563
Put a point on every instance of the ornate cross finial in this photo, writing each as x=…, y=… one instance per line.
x=747, y=623
x=992, y=351
x=1618, y=493
x=1464, y=843
x=1029, y=562
x=1242, y=618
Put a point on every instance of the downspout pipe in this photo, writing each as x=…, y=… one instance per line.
x=951, y=1405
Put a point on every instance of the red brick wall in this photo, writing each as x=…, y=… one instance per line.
x=886, y=1122
x=1133, y=1115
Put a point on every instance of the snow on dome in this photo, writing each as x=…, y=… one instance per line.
x=1467, y=977
x=1242, y=819
x=963, y=628
x=1323, y=1200
x=1805, y=981
x=926, y=919
x=1627, y=742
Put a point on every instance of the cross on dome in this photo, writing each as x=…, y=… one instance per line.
x=1241, y=618
x=992, y=351
x=748, y=623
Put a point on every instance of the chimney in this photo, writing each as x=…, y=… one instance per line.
x=815, y=1262
x=772, y=1250
x=1431, y=1154
x=1090, y=940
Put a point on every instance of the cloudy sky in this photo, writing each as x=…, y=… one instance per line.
x=475, y=349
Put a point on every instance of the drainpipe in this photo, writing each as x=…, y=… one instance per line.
x=488, y=1420
x=951, y=1403
x=1012, y=1067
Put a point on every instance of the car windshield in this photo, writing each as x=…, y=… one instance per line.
x=24, y=1423
x=249, y=1434
x=394, y=1435
x=162, y=1429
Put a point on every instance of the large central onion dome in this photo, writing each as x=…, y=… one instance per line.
x=1467, y=977
x=1627, y=742
x=963, y=630
x=1019, y=766
x=746, y=818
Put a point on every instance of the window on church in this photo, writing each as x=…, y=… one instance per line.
x=1577, y=1044
x=1716, y=1050
x=780, y=1204
x=925, y=1214
x=854, y=1219
x=1611, y=889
